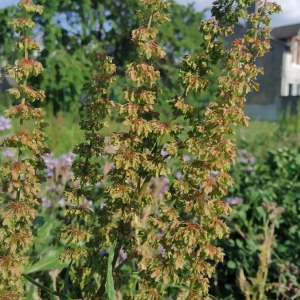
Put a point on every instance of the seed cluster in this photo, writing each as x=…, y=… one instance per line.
x=21, y=176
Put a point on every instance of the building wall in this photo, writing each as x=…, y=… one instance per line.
x=290, y=77
x=266, y=103
x=275, y=94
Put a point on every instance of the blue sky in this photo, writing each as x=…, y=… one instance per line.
x=290, y=14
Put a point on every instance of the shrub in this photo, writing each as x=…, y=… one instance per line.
x=272, y=181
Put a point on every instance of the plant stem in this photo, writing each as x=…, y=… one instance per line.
x=45, y=289
x=150, y=21
x=21, y=120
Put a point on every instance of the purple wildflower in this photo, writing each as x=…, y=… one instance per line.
x=51, y=188
x=162, y=250
x=122, y=256
x=102, y=205
x=66, y=160
x=62, y=202
x=214, y=173
x=8, y=152
x=234, y=201
x=163, y=153
x=5, y=123
x=179, y=175
x=46, y=202
x=51, y=164
x=186, y=158
x=165, y=187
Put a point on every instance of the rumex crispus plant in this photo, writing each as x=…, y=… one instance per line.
x=189, y=216
x=172, y=254
x=21, y=177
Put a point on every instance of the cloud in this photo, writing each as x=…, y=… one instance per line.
x=290, y=10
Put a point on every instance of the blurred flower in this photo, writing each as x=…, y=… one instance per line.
x=214, y=173
x=122, y=256
x=179, y=175
x=62, y=202
x=186, y=158
x=50, y=163
x=250, y=169
x=242, y=152
x=62, y=163
x=8, y=152
x=245, y=157
x=163, y=153
x=66, y=160
x=234, y=201
x=165, y=187
x=51, y=188
x=162, y=250
x=87, y=204
x=102, y=205
x=5, y=123
x=46, y=202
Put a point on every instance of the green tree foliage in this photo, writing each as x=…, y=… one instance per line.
x=71, y=30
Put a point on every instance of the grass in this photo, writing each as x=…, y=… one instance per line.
x=64, y=133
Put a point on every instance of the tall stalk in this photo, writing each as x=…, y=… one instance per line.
x=190, y=215
x=21, y=176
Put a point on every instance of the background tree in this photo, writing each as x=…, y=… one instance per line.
x=71, y=30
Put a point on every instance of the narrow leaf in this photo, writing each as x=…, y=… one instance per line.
x=49, y=261
x=45, y=289
x=66, y=284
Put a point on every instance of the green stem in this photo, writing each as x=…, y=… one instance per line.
x=118, y=268
x=22, y=120
x=66, y=284
x=45, y=289
x=150, y=21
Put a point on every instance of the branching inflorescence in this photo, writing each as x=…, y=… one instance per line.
x=172, y=253
x=21, y=177
x=188, y=219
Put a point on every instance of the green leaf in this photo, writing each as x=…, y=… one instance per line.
x=30, y=293
x=45, y=233
x=251, y=245
x=240, y=244
x=109, y=285
x=40, y=286
x=231, y=264
x=261, y=211
x=66, y=284
x=49, y=261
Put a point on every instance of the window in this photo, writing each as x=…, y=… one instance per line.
x=290, y=89
x=296, y=50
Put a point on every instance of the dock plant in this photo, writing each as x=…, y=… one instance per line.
x=21, y=177
x=190, y=214
x=172, y=254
